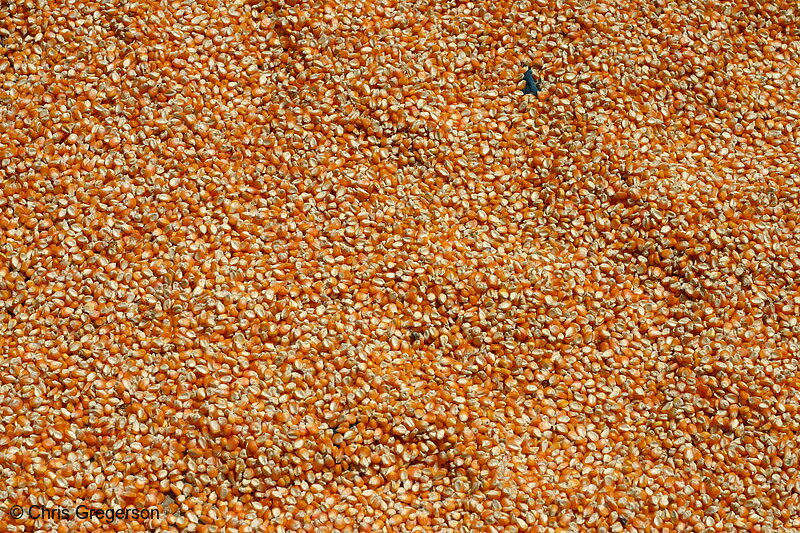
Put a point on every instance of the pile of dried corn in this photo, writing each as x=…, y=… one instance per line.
x=323, y=266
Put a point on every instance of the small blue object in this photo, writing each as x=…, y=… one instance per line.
x=531, y=87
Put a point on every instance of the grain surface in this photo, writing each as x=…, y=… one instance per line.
x=322, y=266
